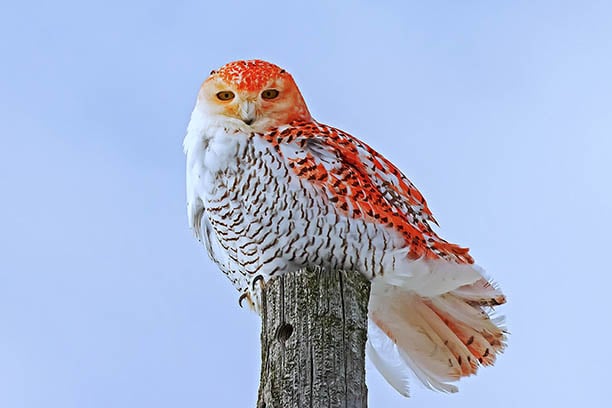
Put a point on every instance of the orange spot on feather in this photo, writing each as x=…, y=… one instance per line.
x=251, y=75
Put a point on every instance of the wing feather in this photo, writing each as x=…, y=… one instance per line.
x=363, y=184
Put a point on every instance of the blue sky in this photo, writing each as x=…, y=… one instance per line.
x=500, y=112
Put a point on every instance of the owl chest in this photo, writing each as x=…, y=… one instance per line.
x=246, y=186
x=237, y=195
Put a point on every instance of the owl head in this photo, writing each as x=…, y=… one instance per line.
x=254, y=93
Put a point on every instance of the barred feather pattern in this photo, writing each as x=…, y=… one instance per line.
x=258, y=217
x=271, y=198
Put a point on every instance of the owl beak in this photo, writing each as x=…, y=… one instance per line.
x=247, y=112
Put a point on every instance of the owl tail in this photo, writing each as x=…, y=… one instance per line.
x=435, y=321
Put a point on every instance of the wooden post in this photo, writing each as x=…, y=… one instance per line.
x=314, y=329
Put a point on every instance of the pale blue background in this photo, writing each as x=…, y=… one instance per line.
x=499, y=111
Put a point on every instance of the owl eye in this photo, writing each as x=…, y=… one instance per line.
x=225, y=95
x=269, y=94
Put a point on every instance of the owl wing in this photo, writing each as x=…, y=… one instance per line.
x=363, y=184
x=430, y=315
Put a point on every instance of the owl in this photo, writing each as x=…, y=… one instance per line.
x=270, y=190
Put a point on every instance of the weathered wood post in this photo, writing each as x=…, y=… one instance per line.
x=314, y=329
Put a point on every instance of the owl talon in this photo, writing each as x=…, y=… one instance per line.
x=244, y=296
x=260, y=279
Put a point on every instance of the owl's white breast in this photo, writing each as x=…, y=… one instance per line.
x=212, y=146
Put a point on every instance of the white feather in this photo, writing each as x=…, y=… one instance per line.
x=386, y=358
x=430, y=277
x=426, y=377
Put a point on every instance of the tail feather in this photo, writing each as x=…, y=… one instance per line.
x=440, y=337
x=481, y=292
x=426, y=376
x=446, y=330
x=386, y=358
x=482, y=342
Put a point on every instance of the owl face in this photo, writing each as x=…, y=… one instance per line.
x=255, y=94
